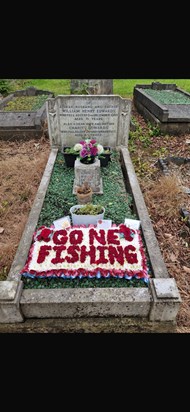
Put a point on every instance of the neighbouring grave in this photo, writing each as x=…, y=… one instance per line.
x=179, y=167
x=164, y=105
x=23, y=113
x=152, y=308
x=91, y=86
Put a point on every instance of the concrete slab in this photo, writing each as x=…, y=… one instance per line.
x=10, y=293
x=8, y=290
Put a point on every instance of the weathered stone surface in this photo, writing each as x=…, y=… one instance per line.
x=157, y=263
x=116, y=324
x=90, y=302
x=92, y=86
x=166, y=300
x=170, y=118
x=10, y=293
x=174, y=128
x=23, y=124
x=88, y=173
x=159, y=110
x=105, y=118
x=166, y=288
x=8, y=290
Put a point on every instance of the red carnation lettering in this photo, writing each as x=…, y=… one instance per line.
x=102, y=259
x=91, y=252
x=76, y=237
x=128, y=233
x=43, y=252
x=72, y=250
x=112, y=237
x=130, y=257
x=100, y=237
x=116, y=254
x=58, y=258
x=44, y=235
x=63, y=239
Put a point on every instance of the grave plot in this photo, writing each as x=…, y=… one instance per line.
x=165, y=106
x=179, y=168
x=22, y=113
x=151, y=307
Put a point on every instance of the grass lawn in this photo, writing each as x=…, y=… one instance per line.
x=122, y=87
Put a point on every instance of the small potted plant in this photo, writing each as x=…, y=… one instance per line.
x=87, y=214
x=84, y=193
x=70, y=154
x=105, y=156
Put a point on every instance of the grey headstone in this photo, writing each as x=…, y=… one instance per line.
x=92, y=86
x=74, y=117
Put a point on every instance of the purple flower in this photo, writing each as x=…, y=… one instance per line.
x=89, y=148
x=94, y=151
x=83, y=152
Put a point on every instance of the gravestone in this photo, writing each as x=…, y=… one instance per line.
x=91, y=86
x=164, y=105
x=23, y=123
x=72, y=118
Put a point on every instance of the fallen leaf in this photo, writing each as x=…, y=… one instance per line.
x=173, y=257
x=1, y=230
x=186, y=269
x=168, y=235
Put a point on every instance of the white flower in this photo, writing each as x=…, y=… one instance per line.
x=100, y=148
x=78, y=147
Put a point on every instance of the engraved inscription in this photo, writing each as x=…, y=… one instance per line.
x=98, y=120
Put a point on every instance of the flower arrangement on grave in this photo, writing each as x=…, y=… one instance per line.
x=86, y=151
x=89, y=150
x=79, y=251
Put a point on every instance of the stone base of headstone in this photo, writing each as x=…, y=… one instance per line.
x=88, y=173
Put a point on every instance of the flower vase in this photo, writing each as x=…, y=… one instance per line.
x=69, y=157
x=105, y=157
x=88, y=160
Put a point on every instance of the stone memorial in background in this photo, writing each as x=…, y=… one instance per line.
x=91, y=86
x=72, y=118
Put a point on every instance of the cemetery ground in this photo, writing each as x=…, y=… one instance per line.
x=21, y=168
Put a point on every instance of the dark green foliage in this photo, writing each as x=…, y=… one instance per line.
x=81, y=283
x=59, y=197
x=4, y=86
x=25, y=103
x=89, y=209
x=168, y=96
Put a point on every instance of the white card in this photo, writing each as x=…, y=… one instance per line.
x=62, y=223
x=132, y=223
x=104, y=224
